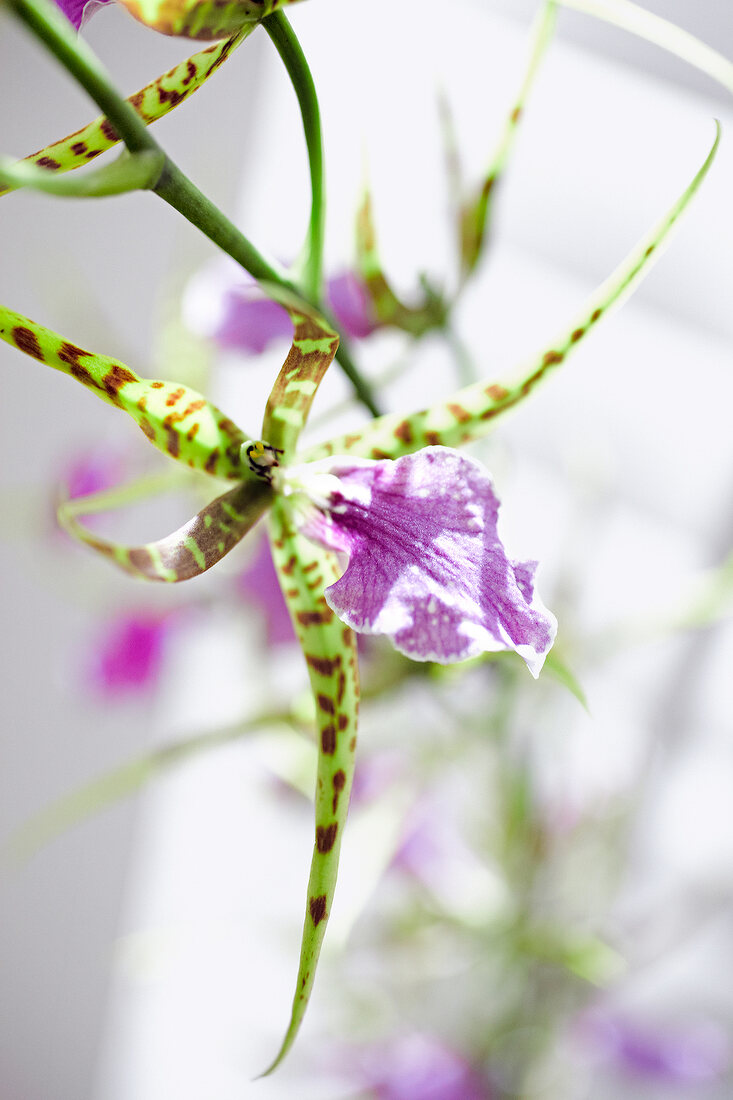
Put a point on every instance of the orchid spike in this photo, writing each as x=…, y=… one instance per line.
x=152, y=102
x=471, y=412
x=329, y=648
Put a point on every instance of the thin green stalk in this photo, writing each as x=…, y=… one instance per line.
x=287, y=45
x=47, y=23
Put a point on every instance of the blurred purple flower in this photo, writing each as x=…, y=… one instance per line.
x=128, y=653
x=415, y=1066
x=258, y=584
x=224, y=304
x=674, y=1056
x=426, y=566
x=78, y=12
x=91, y=472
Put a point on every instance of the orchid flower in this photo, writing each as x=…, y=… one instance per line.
x=384, y=530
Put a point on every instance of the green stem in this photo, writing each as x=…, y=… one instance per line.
x=287, y=45
x=47, y=23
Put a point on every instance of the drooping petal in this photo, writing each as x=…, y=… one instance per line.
x=152, y=102
x=426, y=565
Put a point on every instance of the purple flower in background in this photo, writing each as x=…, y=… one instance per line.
x=679, y=1056
x=259, y=585
x=128, y=653
x=78, y=12
x=425, y=566
x=416, y=1066
x=92, y=472
x=224, y=304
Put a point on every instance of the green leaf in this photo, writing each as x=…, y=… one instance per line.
x=329, y=648
x=152, y=102
x=176, y=419
x=189, y=551
x=472, y=411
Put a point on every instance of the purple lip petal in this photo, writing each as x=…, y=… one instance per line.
x=417, y=1066
x=426, y=566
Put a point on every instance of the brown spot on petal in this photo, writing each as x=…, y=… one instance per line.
x=147, y=427
x=338, y=782
x=108, y=130
x=403, y=431
x=328, y=740
x=27, y=341
x=377, y=453
x=352, y=743
x=173, y=444
x=326, y=704
x=174, y=397
x=157, y=385
x=341, y=689
x=310, y=566
x=552, y=357
x=289, y=566
x=516, y=114
x=461, y=414
x=432, y=439
x=191, y=433
x=323, y=665
x=317, y=908
x=211, y=461
x=595, y=315
x=343, y=721
x=315, y=618
x=79, y=148
x=578, y=334
x=496, y=392
x=48, y=162
x=326, y=837
x=116, y=378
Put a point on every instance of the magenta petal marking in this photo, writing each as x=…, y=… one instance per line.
x=425, y=563
x=129, y=654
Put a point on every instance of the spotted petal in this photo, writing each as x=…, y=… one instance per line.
x=202, y=19
x=426, y=565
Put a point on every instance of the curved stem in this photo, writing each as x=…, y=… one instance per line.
x=287, y=45
x=47, y=23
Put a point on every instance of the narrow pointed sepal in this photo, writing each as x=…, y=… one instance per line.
x=311, y=353
x=152, y=102
x=329, y=648
x=471, y=412
x=189, y=551
x=387, y=307
x=177, y=420
x=476, y=208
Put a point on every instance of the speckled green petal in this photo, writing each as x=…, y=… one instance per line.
x=475, y=209
x=330, y=652
x=312, y=351
x=152, y=102
x=471, y=412
x=189, y=551
x=203, y=19
x=177, y=420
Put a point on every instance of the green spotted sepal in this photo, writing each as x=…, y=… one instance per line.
x=329, y=648
x=471, y=412
x=151, y=103
x=189, y=551
x=314, y=345
x=202, y=19
x=176, y=419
